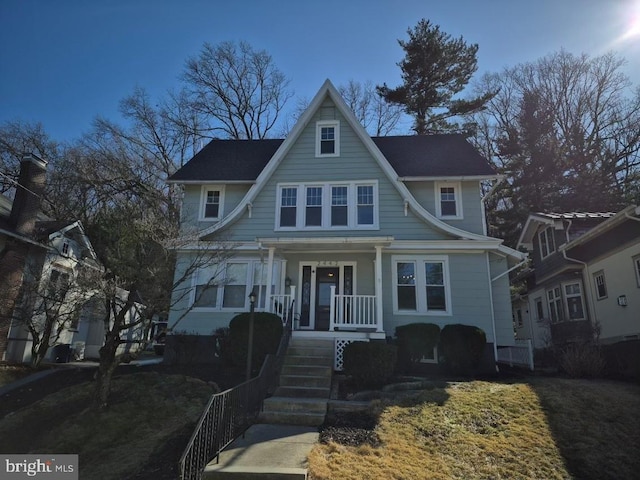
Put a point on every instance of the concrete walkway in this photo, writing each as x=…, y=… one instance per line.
x=268, y=452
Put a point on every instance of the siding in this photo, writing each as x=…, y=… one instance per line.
x=191, y=202
x=501, y=301
x=354, y=164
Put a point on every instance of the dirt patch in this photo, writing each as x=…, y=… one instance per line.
x=352, y=429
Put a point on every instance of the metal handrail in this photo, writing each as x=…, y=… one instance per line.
x=230, y=413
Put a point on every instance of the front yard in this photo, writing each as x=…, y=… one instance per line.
x=541, y=428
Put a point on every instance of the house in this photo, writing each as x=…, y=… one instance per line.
x=585, y=277
x=52, y=255
x=357, y=235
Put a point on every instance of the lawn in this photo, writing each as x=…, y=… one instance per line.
x=151, y=417
x=542, y=428
x=11, y=373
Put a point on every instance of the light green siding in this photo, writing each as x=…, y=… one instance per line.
x=501, y=301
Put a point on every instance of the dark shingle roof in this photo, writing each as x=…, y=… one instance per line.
x=447, y=155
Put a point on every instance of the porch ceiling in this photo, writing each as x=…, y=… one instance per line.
x=325, y=243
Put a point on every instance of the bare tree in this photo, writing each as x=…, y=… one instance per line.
x=239, y=89
x=377, y=116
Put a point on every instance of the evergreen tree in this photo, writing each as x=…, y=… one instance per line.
x=435, y=68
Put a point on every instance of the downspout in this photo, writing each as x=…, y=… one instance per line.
x=493, y=315
x=489, y=194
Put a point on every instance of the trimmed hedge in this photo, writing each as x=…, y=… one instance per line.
x=369, y=363
x=416, y=340
x=461, y=348
x=267, y=330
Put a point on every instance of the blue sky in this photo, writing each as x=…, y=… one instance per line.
x=63, y=62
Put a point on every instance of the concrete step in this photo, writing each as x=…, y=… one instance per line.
x=303, y=392
x=310, y=342
x=310, y=351
x=308, y=360
x=292, y=418
x=313, y=370
x=305, y=381
x=288, y=404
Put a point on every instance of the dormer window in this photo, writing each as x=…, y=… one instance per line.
x=211, y=208
x=328, y=139
x=547, y=244
x=65, y=248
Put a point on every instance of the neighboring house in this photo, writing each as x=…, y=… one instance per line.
x=584, y=279
x=54, y=252
x=357, y=234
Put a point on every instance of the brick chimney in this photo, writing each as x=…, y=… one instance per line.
x=27, y=201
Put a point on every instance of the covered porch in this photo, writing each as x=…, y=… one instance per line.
x=328, y=285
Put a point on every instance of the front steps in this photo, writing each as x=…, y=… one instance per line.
x=305, y=385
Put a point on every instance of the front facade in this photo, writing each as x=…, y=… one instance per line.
x=584, y=282
x=351, y=234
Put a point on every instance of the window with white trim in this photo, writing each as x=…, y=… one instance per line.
x=547, y=243
x=421, y=285
x=574, y=301
x=448, y=200
x=554, y=297
x=59, y=283
x=430, y=357
x=228, y=286
x=539, y=309
x=328, y=138
x=65, y=248
x=211, y=203
x=600, y=285
x=636, y=268
x=336, y=205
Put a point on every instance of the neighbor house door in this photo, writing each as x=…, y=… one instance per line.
x=326, y=277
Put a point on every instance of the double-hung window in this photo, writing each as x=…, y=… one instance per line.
x=288, y=203
x=211, y=203
x=601, y=285
x=554, y=297
x=328, y=138
x=547, y=244
x=448, y=200
x=313, y=210
x=575, y=304
x=335, y=205
x=421, y=284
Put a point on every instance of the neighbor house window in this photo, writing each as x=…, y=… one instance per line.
x=601, y=286
x=575, y=304
x=421, y=284
x=211, y=203
x=336, y=205
x=65, y=248
x=448, y=201
x=547, y=244
x=556, y=311
x=519, y=321
x=327, y=139
x=58, y=284
x=288, y=202
x=539, y=309
x=636, y=268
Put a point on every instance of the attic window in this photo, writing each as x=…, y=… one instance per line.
x=211, y=206
x=547, y=244
x=328, y=139
x=448, y=200
x=65, y=248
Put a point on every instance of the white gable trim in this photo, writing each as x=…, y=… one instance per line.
x=328, y=89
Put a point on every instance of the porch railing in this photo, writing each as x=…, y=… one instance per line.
x=520, y=355
x=355, y=312
x=282, y=305
x=230, y=413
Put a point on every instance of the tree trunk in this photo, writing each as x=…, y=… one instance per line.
x=108, y=364
x=11, y=271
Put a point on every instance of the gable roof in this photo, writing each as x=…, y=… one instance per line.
x=424, y=156
x=631, y=212
x=535, y=220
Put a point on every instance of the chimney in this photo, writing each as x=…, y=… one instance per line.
x=27, y=200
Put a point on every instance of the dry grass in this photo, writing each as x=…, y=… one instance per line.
x=543, y=429
x=147, y=410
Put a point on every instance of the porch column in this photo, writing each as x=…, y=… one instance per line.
x=269, y=279
x=379, y=309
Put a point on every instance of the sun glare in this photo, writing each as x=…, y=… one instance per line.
x=632, y=23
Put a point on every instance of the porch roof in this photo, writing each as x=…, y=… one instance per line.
x=325, y=243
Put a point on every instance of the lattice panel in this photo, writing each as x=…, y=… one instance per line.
x=340, y=343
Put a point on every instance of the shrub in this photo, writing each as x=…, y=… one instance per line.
x=267, y=330
x=623, y=360
x=369, y=363
x=415, y=341
x=582, y=360
x=461, y=348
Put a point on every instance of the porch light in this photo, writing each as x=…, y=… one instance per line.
x=252, y=298
x=287, y=282
x=622, y=300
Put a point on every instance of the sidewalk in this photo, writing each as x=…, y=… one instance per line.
x=266, y=452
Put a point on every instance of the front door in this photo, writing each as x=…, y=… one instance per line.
x=325, y=278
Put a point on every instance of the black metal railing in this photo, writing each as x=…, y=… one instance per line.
x=230, y=413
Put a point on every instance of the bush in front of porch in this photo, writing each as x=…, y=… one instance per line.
x=267, y=330
x=370, y=364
